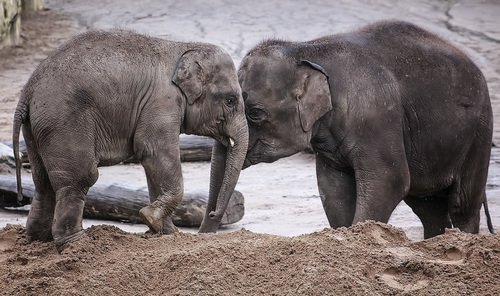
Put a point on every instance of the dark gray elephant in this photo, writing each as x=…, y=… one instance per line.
x=103, y=97
x=392, y=113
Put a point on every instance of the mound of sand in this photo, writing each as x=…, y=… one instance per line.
x=366, y=259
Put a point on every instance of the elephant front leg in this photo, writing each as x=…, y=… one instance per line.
x=379, y=189
x=157, y=215
x=164, y=176
x=337, y=190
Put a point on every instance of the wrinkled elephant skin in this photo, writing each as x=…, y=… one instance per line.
x=392, y=113
x=105, y=96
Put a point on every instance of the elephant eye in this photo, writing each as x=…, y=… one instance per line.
x=256, y=114
x=230, y=101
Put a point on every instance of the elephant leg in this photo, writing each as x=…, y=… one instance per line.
x=337, y=190
x=465, y=206
x=381, y=184
x=468, y=191
x=68, y=214
x=165, y=184
x=39, y=223
x=432, y=212
x=72, y=171
x=157, y=215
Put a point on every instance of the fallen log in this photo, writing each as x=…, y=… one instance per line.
x=193, y=148
x=122, y=204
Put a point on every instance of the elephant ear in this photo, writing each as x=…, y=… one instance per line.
x=313, y=94
x=188, y=75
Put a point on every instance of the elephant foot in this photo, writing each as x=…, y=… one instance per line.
x=39, y=224
x=38, y=232
x=209, y=225
x=155, y=219
x=63, y=242
x=168, y=226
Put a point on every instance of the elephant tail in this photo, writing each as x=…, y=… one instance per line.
x=19, y=118
x=488, y=217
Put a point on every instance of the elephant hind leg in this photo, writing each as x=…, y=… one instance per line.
x=468, y=192
x=432, y=212
x=72, y=172
x=68, y=214
x=39, y=223
x=465, y=209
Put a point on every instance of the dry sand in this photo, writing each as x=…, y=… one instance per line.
x=366, y=259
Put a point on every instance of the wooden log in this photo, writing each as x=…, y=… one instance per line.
x=193, y=148
x=122, y=204
x=7, y=155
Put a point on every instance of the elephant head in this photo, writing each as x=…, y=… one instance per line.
x=284, y=97
x=214, y=107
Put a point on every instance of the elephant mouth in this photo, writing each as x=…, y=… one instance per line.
x=247, y=163
x=257, y=153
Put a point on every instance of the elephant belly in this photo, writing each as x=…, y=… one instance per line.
x=438, y=143
x=427, y=184
x=436, y=167
x=114, y=153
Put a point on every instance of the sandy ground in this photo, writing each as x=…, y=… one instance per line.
x=366, y=259
x=281, y=198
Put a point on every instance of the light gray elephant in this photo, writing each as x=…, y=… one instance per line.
x=392, y=113
x=105, y=96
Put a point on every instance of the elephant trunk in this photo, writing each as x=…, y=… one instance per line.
x=227, y=162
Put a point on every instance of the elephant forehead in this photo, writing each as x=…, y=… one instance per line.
x=264, y=72
x=221, y=62
x=265, y=97
x=226, y=82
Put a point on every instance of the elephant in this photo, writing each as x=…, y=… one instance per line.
x=106, y=96
x=391, y=111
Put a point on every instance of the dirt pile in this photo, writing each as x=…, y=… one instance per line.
x=366, y=259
